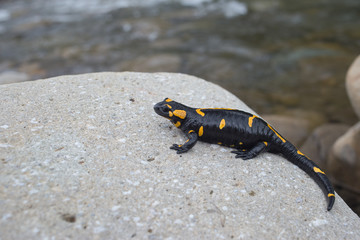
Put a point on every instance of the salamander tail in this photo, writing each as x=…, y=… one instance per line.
x=331, y=201
x=313, y=170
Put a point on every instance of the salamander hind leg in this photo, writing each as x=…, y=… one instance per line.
x=252, y=152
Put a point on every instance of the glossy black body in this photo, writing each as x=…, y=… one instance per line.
x=247, y=133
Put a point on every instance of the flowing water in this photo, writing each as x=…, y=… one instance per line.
x=279, y=56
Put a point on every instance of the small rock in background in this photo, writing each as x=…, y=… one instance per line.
x=25, y=72
x=344, y=158
x=33, y=70
x=13, y=77
x=293, y=129
x=353, y=85
x=318, y=145
x=344, y=165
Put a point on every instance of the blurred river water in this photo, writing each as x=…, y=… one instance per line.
x=279, y=56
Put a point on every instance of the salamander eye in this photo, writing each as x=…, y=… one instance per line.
x=166, y=109
x=163, y=110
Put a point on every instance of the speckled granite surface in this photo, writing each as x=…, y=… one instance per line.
x=86, y=157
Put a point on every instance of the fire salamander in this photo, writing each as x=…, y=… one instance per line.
x=247, y=133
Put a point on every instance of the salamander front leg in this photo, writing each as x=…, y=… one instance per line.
x=253, y=152
x=193, y=137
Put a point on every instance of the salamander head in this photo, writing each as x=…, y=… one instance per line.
x=174, y=111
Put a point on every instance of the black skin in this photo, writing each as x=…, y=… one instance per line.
x=247, y=133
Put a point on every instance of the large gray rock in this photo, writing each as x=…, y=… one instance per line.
x=86, y=157
x=353, y=85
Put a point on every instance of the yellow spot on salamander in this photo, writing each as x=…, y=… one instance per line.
x=200, y=112
x=187, y=140
x=219, y=143
x=168, y=100
x=170, y=114
x=232, y=145
x=265, y=143
x=191, y=131
x=241, y=143
x=300, y=153
x=222, y=124
x=201, y=131
x=180, y=113
x=177, y=124
x=277, y=134
x=169, y=106
x=331, y=195
x=251, y=119
x=317, y=170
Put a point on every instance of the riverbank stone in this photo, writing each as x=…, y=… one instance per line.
x=353, y=85
x=319, y=144
x=12, y=77
x=86, y=157
x=345, y=158
x=294, y=129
